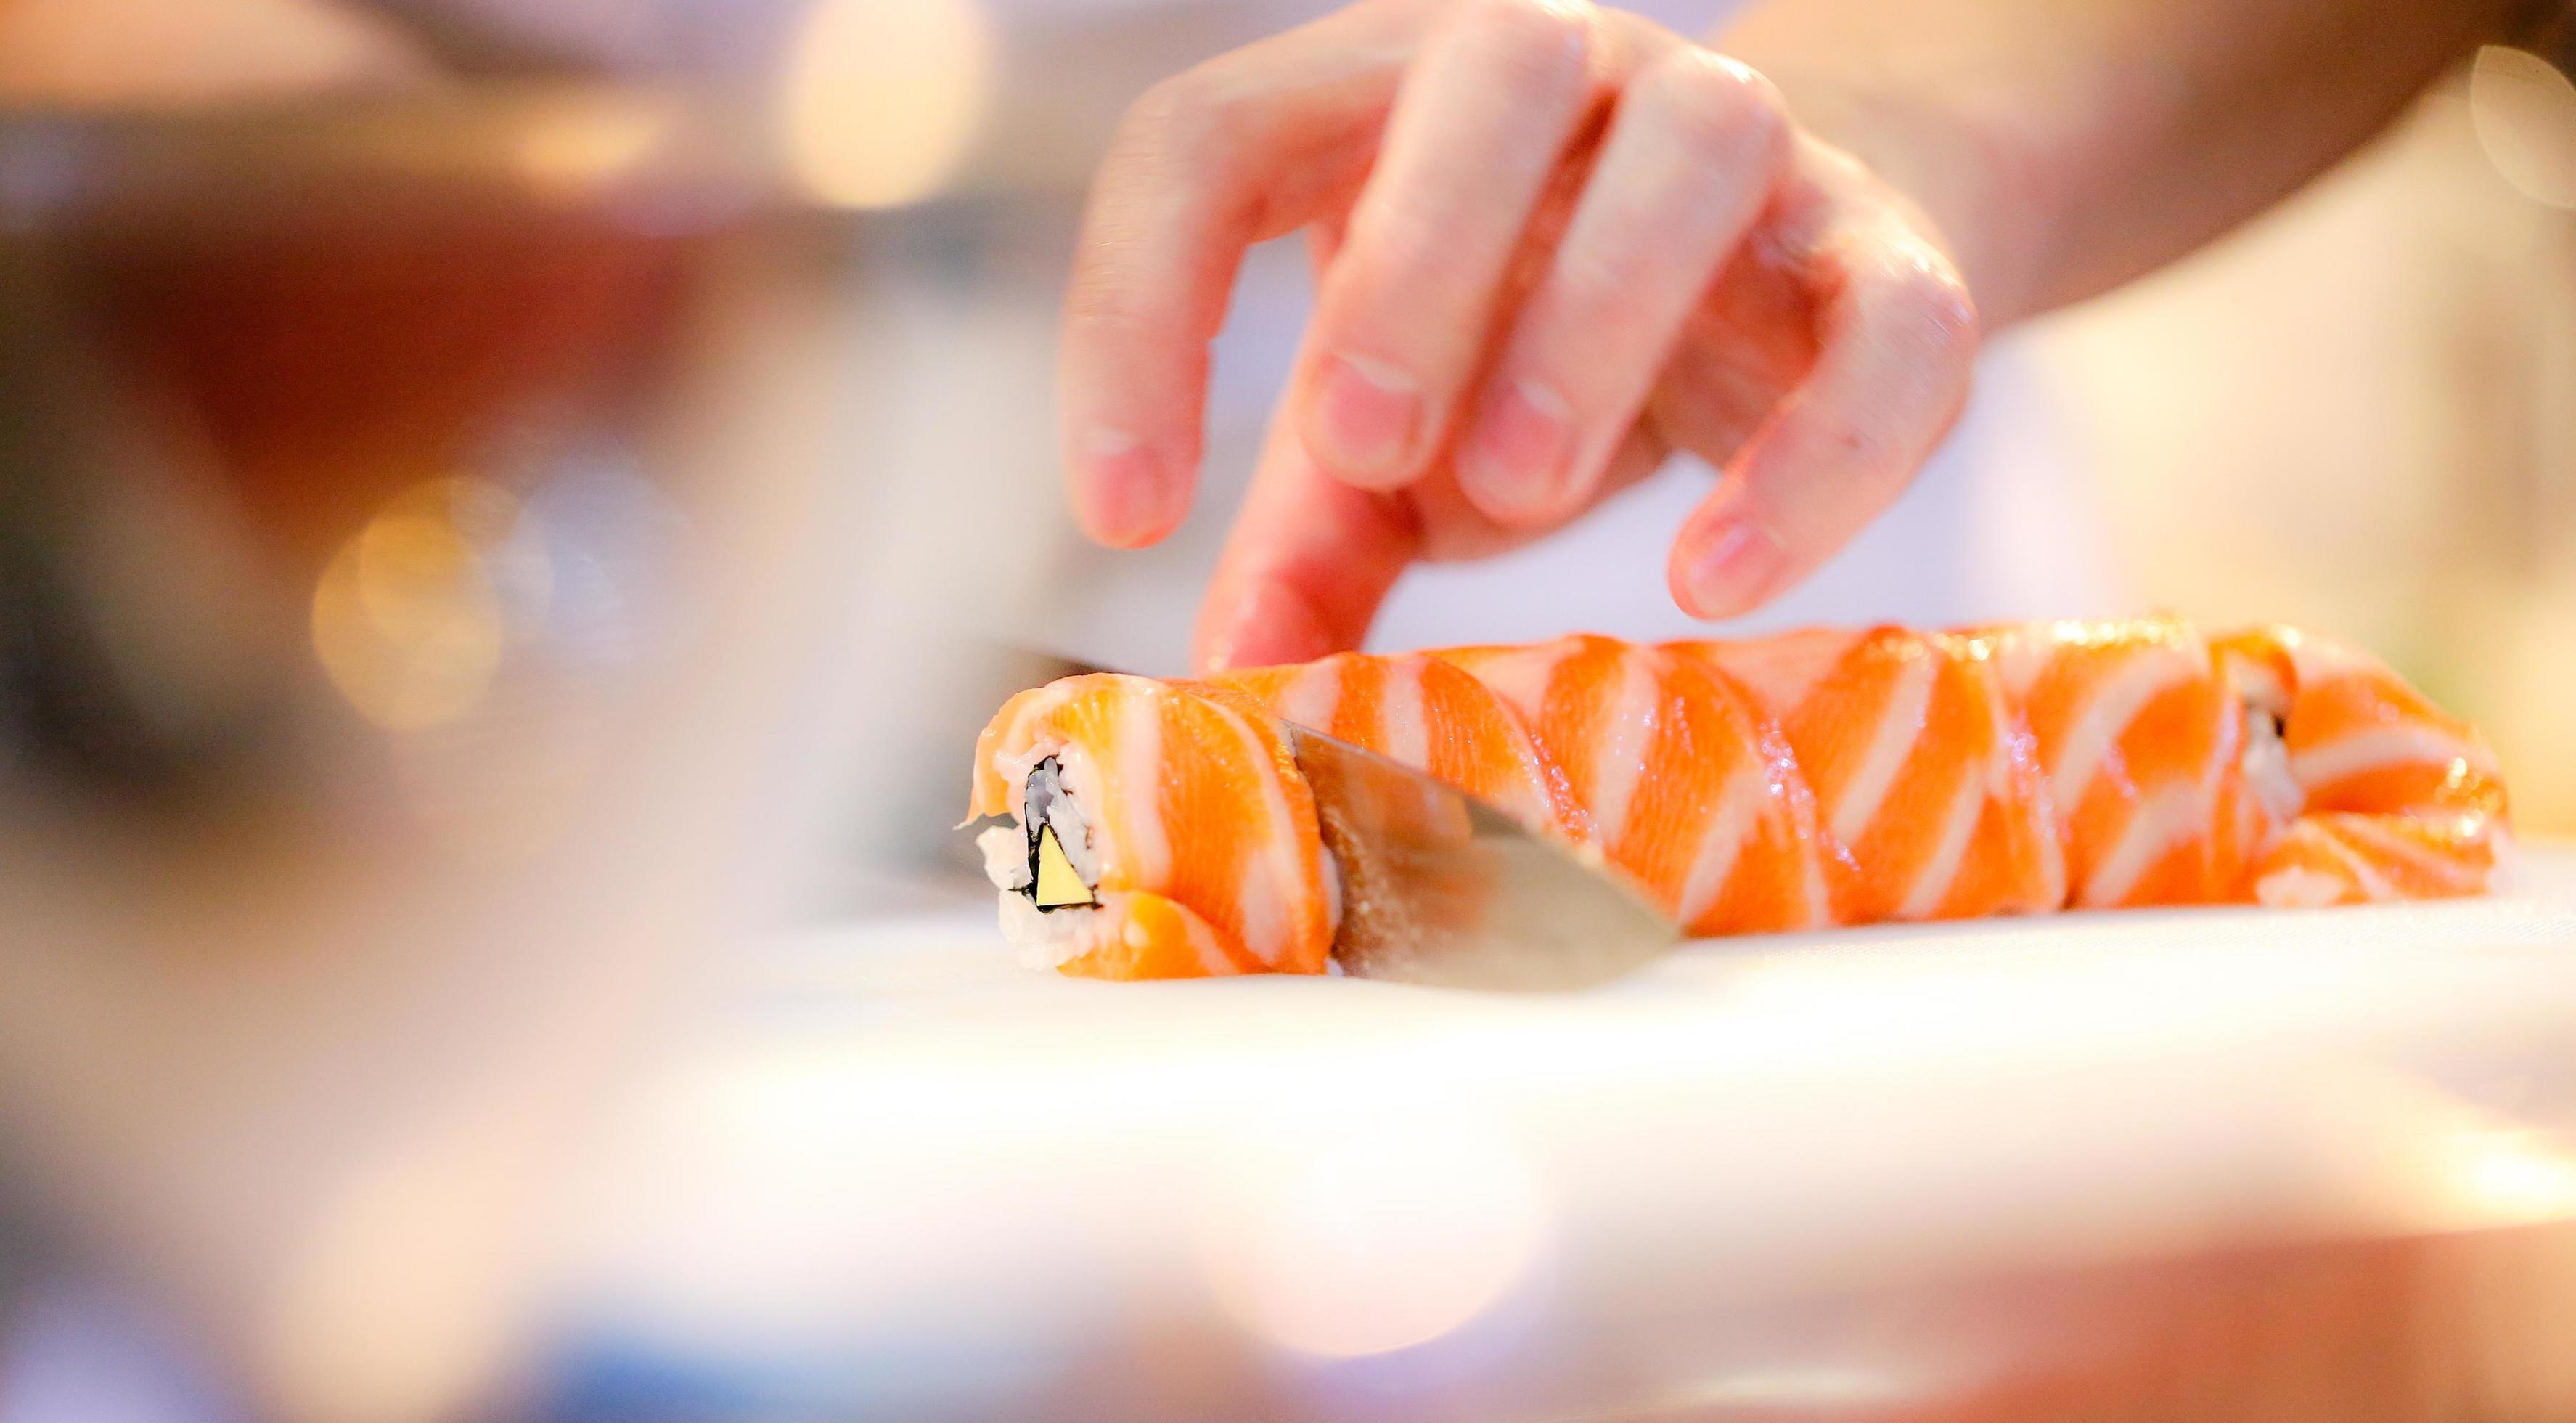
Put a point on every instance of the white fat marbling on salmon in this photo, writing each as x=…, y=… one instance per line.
x=2257, y=830
x=2226, y=755
x=1314, y=695
x=1900, y=729
x=2259, y=684
x=1819, y=898
x=2115, y=703
x=2015, y=775
x=1012, y=767
x=2373, y=835
x=1265, y=917
x=1288, y=866
x=1626, y=736
x=1782, y=672
x=1145, y=843
x=1958, y=827
x=2316, y=661
x=2021, y=655
x=1204, y=946
x=1404, y=732
x=1522, y=678
x=1537, y=791
x=2379, y=749
x=1721, y=843
x=2159, y=823
x=2373, y=885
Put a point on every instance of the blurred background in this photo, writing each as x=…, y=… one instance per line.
x=491, y=496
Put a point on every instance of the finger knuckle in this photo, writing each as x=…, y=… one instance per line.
x=1602, y=287
x=1159, y=109
x=1409, y=240
x=1192, y=117
x=1925, y=307
x=1716, y=106
x=1535, y=42
x=1099, y=302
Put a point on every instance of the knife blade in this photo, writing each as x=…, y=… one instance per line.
x=1441, y=888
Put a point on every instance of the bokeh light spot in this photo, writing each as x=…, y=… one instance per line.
x=880, y=99
x=570, y=150
x=2514, y=1177
x=2524, y=112
x=1378, y=1241
x=407, y=621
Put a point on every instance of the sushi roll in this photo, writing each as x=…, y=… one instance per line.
x=1155, y=831
x=1824, y=777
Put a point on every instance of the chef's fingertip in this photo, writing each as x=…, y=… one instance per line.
x=1262, y=625
x=1727, y=568
x=1127, y=494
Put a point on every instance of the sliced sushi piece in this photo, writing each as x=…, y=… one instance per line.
x=2398, y=799
x=2142, y=737
x=1155, y=832
x=1930, y=801
x=1424, y=713
x=1682, y=783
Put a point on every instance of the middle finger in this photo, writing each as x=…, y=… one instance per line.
x=1477, y=129
x=1694, y=154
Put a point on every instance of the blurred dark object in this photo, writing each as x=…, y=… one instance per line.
x=226, y=342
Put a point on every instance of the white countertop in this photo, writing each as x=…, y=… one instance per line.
x=897, y=1171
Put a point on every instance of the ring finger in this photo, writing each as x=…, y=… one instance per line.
x=1697, y=148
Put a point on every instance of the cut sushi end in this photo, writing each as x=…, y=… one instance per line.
x=1046, y=865
x=2266, y=765
x=2353, y=858
x=1045, y=940
x=1047, y=868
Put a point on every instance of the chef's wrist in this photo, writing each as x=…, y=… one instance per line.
x=1972, y=183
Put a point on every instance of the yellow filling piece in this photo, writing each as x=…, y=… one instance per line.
x=1058, y=886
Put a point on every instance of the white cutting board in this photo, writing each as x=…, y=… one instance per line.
x=899, y=1171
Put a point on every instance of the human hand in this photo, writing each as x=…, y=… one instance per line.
x=1554, y=244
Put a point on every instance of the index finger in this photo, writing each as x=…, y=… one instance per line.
x=1308, y=562
x=1234, y=152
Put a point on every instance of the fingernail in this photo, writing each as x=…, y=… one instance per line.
x=1365, y=415
x=1131, y=491
x=1517, y=454
x=1734, y=569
